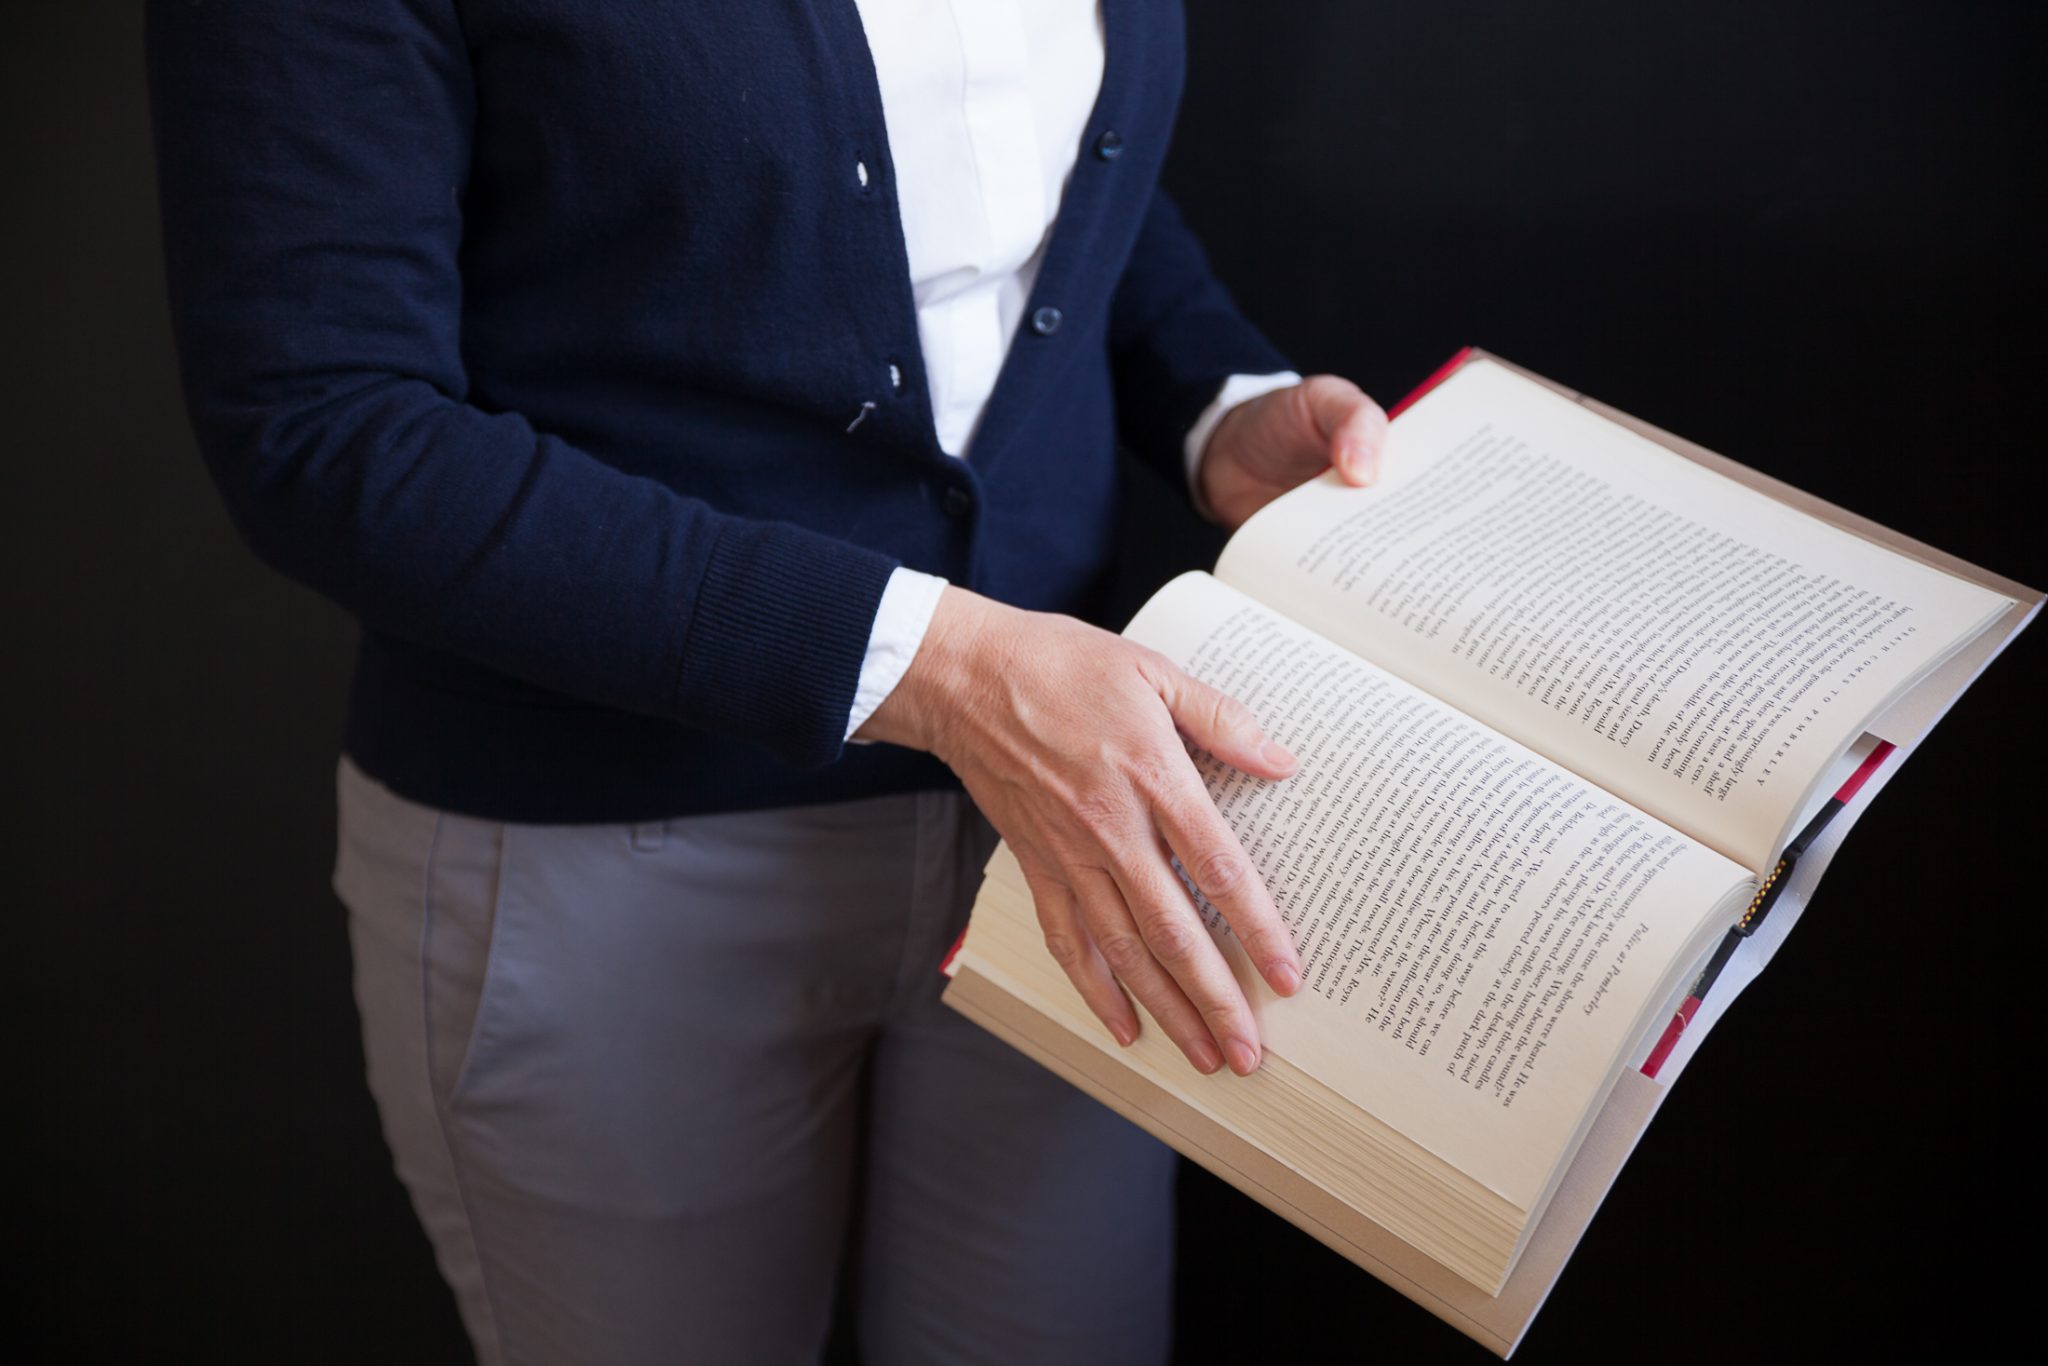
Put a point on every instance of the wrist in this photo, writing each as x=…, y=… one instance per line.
x=1201, y=487
x=918, y=712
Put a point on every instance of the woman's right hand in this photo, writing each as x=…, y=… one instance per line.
x=1069, y=739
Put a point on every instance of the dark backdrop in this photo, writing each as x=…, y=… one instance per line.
x=1805, y=234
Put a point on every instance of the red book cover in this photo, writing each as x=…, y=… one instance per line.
x=1437, y=376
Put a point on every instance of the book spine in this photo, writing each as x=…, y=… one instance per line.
x=1760, y=905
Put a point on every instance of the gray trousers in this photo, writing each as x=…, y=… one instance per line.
x=651, y=1086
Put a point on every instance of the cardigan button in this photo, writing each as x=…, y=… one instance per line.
x=957, y=501
x=1046, y=321
x=1110, y=145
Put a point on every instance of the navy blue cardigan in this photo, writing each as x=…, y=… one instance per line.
x=534, y=332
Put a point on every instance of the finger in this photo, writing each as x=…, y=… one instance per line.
x=1218, y=722
x=1073, y=948
x=1181, y=944
x=1215, y=861
x=1124, y=948
x=1353, y=428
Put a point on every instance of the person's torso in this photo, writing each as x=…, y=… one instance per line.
x=677, y=207
x=683, y=252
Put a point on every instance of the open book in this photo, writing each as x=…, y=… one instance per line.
x=1563, y=688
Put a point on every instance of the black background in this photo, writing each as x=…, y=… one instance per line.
x=1808, y=235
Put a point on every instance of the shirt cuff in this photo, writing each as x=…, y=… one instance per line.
x=908, y=601
x=1237, y=389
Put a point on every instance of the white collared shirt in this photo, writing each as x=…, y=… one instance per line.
x=986, y=102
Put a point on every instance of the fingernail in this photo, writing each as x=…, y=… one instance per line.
x=1205, y=1057
x=1284, y=978
x=1243, y=1060
x=1276, y=754
x=1122, y=1032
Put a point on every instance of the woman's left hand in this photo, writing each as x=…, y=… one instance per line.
x=1266, y=446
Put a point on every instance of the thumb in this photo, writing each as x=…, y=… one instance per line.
x=1351, y=426
x=1222, y=725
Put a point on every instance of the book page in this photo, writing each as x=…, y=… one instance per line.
x=1483, y=935
x=1679, y=639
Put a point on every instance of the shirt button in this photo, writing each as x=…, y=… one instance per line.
x=895, y=377
x=1110, y=145
x=860, y=171
x=957, y=501
x=1046, y=321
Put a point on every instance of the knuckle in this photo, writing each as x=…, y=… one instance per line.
x=1265, y=942
x=1064, y=948
x=1301, y=401
x=1225, y=714
x=1337, y=392
x=1231, y=713
x=1173, y=940
x=1147, y=657
x=1125, y=953
x=1221, y=873
x=1100, y=809
x=1150, y=771
x=1158, y=672
x=1220, y=1016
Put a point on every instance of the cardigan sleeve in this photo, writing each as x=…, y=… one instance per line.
x=1175, y=337
x=312, y=160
